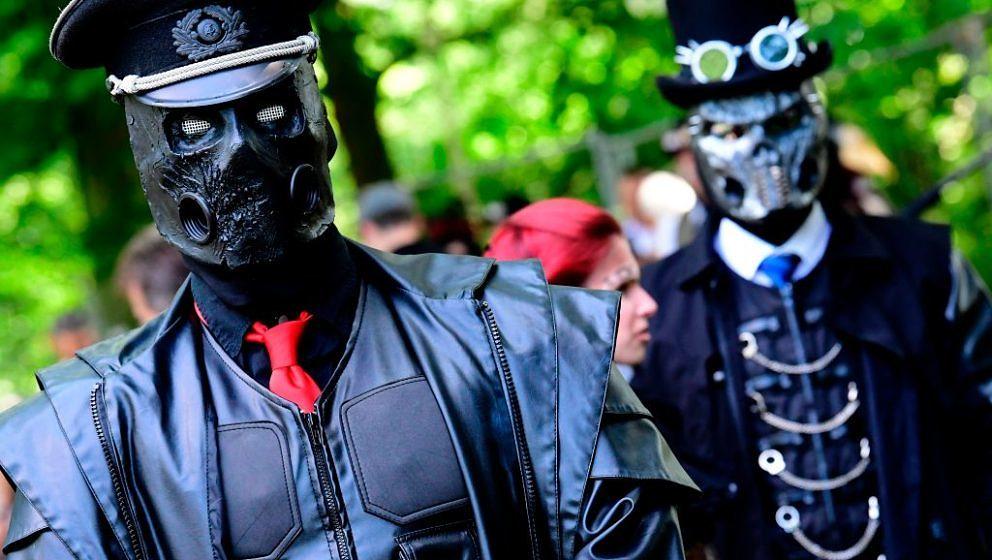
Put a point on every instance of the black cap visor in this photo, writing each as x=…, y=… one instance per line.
x=221, y=87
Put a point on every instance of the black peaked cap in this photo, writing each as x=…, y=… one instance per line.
x=735, y=22
x=144, y=37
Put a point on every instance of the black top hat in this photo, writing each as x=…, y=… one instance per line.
x=730, y=48
x=154, y=48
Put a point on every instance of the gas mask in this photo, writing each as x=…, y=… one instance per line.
x=243, y=182
x=762, y=153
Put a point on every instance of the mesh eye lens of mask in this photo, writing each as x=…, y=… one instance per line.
x=269, y=114
x=194, y=127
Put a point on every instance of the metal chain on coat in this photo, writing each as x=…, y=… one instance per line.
x=773, y=462
x=787, y=518
x=848, y=553
x=795, y=427
x=824, y=485
x=751, y=352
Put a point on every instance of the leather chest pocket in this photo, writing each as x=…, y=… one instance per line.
x=454, y=541
x=401, y=452
x=260, y=512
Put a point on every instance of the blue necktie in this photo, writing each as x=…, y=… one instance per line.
x=780, y=269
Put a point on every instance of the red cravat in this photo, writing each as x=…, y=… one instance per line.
x=289, y=380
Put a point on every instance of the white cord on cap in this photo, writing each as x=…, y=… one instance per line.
x=132, y=84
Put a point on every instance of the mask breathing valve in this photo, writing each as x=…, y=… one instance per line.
x=195, y=217
x=304, y=188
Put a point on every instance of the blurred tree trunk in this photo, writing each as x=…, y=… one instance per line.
x=353, y=89
x=112, y=193
x=972, y=42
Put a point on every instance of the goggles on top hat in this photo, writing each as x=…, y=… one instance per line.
x=729, y=48
x=772, y=48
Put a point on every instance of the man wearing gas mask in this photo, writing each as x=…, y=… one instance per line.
x=305, y=397
x=825, y=380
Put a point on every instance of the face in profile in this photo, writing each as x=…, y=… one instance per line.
x=618, y=270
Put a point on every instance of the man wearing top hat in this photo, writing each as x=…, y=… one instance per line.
x=826, y=380
x=305, y=397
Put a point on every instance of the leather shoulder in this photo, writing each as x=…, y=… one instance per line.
x=39, y=460
x=30, y=433
x=29, y=536
x=922, y=247
x=559, y=346
x=585, y=328
x=20, y=427
x=517, y=279
x=919, y=254
x=109, y=355
x=629, y=445
x=516, y=304
x=431, y=275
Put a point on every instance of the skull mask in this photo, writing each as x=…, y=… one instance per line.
x=239, y=183
x=762, y=153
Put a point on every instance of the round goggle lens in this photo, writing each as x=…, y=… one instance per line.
x=714, y=64
x=774, y=48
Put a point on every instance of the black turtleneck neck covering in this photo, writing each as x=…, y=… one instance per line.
x=320, y=278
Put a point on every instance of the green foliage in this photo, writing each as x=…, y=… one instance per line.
x=465, y=83
x=477, y=99
x=473, y=93
x=46, y=270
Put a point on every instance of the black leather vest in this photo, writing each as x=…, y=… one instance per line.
x=467, y=416
x=811, y=451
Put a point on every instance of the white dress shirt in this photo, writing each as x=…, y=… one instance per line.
x=743, y=252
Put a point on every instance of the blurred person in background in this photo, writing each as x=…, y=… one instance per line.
x=853, y=159
x=390, y=221
x=661, y=213
x=582, y=245
x=677, y=143
x=149, y=273
x=637, y=227
x=453, y=232
x=824, y=376
x=71, y=332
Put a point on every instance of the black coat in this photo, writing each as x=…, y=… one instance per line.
x=923, y=323
x=474, y=416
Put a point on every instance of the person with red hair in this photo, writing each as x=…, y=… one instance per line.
x=582, y=245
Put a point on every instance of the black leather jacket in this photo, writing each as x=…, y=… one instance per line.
x=474, y=415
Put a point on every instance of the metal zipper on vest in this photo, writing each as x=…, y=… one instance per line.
x=526, y=467
x=315, y=431
x=116, y=480
x=792, y=320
